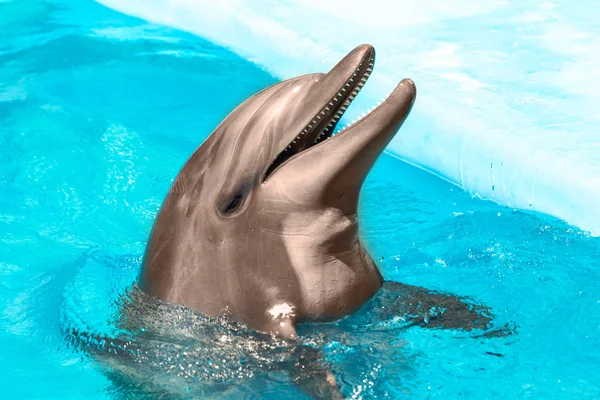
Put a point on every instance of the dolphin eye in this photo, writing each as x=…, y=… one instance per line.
x=234, y=204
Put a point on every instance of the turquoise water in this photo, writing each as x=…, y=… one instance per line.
x=97, y=113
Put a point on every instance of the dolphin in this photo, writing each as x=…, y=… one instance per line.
x=261, y=222
x=259, y=232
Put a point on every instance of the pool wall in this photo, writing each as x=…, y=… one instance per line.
x=508, y=92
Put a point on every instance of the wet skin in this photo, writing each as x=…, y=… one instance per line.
x=261, y=222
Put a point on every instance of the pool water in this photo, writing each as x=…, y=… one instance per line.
x=99, y=110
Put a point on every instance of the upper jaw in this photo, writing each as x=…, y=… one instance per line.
x=333, y=93
x=323, y=124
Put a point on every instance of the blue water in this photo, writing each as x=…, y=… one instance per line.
x=99, y=110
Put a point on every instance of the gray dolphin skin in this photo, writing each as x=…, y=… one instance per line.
x=261, y=221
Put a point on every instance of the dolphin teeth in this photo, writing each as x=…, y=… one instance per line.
x=348, y=92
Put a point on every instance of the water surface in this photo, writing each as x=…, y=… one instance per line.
x=98, y=111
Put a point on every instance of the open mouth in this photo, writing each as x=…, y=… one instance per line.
x=323, y=125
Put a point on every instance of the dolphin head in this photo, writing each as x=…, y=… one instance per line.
x=272, y=195
x=280, y=143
